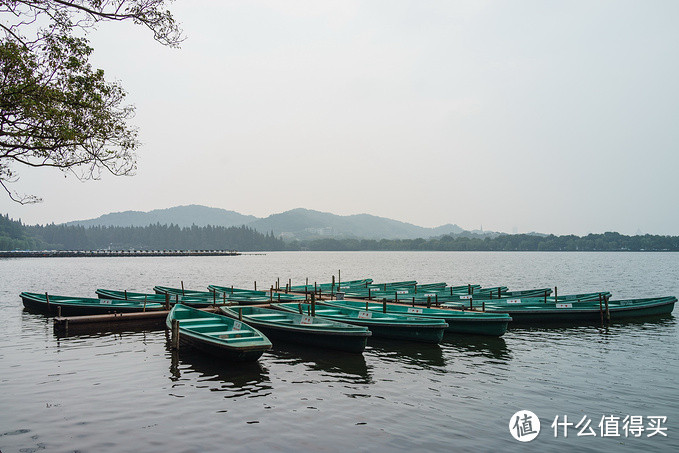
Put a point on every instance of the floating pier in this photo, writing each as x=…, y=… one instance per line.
x=149, y=319
x=110, y=253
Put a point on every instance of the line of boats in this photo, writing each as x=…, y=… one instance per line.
x=343, y=315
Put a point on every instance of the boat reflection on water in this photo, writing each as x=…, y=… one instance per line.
x=421, y=355
x=341, y=366
x=199, y=370
x=623, y=326
x=478, y=345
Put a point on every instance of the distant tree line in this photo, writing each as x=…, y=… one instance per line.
x=16, y=236
x=505, y=242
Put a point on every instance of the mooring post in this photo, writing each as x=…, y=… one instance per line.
x=545, y=296
x=299, y=307
x=608, y=313
x=271, y=294
x=556, y=295
x=469, y=288
x=339, y=278
x=125, y=294
x=483, y=306
x=366, y=305
x=451, y=290
x=214, y=298
x=315, y=288
x=240, y=313
x=278, y=283
x=59, y=311
x=47, y=299
x=395, y=296
x=384, y=305
x=224, y=298
x=428, y=301
x=144, y=309
x=255, y=285
x=182, y=287
x=471, y=304
x=290, y=284
x=369, y=296
x=601, y=310
x=413, y=301
x=313, y=305
x=415, y=288
x=436, y=296
x=175, y=334
x=167, y=301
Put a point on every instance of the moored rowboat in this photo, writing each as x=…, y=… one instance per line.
x=197, y=302
x=466, y=322
x=586, y=311
x=385, y=325
x=303, y=329
x=218, y=335
x=84, y=305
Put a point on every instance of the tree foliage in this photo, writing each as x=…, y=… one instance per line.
x=56, y=110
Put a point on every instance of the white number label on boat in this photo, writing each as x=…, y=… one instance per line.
x=513, y=301
x=345, y=287
x=414, y=310
x=106, y=302
x=402, y=292
x=564, y=305
x=307, y=320
x=364, y=315
x=237, y=325
x=466, y=296
x=430, y=295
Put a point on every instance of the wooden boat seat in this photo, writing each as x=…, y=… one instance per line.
x=229, y=332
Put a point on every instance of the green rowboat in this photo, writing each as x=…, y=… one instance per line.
x=197, y=302
x=84, y=305
x=218, y=335
x=385, y=325
x=587, y=311
x=464, y=322
x=303, y=329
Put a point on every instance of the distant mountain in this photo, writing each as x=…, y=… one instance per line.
x=306, y=224
x=301, y=224
x=179, y=215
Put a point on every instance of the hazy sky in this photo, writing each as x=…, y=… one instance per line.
x=551, y=116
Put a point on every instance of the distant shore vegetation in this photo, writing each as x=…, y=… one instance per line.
x=16, y=236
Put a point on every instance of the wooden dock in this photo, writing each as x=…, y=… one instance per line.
x=115, y=321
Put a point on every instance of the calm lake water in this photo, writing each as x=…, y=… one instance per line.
x=127, y=391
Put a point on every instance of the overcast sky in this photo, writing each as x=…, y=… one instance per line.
x=550, y=116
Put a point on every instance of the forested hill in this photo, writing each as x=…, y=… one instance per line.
x=606, y=242
x=15, y=236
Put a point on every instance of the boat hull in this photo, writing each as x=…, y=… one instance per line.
x=219, y=350
x=536, y=315
x=53, y=308
x=329, y=340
